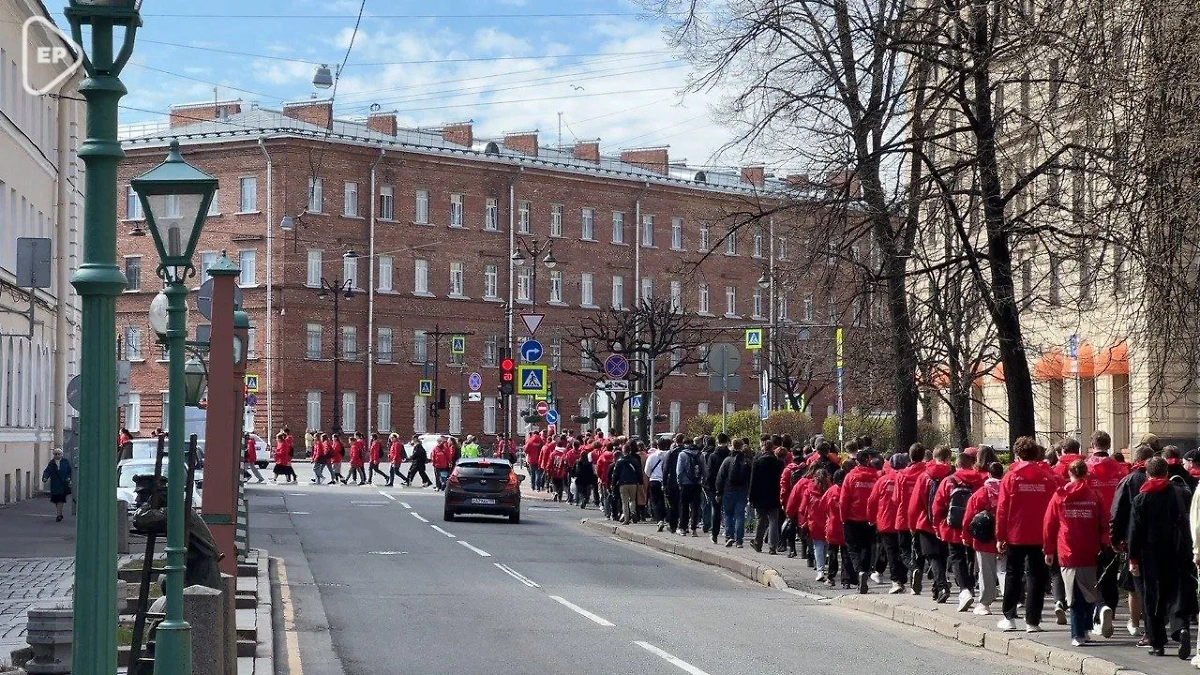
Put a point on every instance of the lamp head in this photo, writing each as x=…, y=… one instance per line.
x=323, y=78
x=175, y=197
x=549, y=260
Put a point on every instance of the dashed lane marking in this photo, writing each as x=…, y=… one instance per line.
x=480, y=551
x=443, y=532
x=419, y=517
x=582, y=612
x=671, y=659
x=387, y=495
x=517, y=575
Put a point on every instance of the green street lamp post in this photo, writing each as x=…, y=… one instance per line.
x=99, y=281
x=175, y=197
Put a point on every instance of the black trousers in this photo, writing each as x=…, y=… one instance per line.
x=658, y=501
x=1109, y=570
x=394, y=472
x=916, y=559
x=375, y=470
x=860, y=540
x=672, y=507
x=689, y=507
x=936, y=555
x=892, y=549
x=1025, y=567
x=962, y=561
x=418, y=470
x=714, y=510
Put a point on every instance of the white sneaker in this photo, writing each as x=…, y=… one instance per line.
x=1196, y=660
x=1106, y=621
x=964, y=600
x=1133, y=630
x=875, y=578
x=1060, y=613
x=897, y=587
x=820, y=576
x=1076, y=643
x=1006, y=624
x=1032, y=628
x=982, y=610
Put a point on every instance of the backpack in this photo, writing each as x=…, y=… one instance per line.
x=983, y=527
x=796, y=474
x=694, y=471
x=929, y=497
x=960, y=494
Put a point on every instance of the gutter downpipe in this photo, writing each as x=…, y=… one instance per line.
x=270, y=346
x=371, y=298
x=637, y=301
x=510, y=409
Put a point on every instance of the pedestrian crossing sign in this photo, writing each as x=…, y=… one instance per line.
x=425, y=387
x=458, y=344
x=754, y=338
x=532, y=380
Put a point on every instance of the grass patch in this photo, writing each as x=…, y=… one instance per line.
x=137, y=564
x=124, y=636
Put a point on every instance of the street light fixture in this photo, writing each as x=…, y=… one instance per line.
x=337, y=290
x=175, y=197
x=195, y=375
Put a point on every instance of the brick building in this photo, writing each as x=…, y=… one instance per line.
x=428, y=214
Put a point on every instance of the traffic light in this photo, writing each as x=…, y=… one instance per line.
x=508, y=375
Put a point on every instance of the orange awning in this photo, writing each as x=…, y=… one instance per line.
x=1085, y=360
x=1049, y=366
x=1113, y=360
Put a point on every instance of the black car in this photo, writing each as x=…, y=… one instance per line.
x=484, y=486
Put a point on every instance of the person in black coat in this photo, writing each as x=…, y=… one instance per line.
x=58, y=474
x=1160, y=547
x=671, y=482
x=585, y=479
x=764, y=496
x=712, y=466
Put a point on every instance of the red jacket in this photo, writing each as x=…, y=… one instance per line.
x=558, y=463
x=533, y=451
x=357, y=449
x=251, y=450
x=856, y=494
x=396, y=452
x=442, y=456
x=335, y=451
x=1064, y=464
x=282, y=455
x=883, y=505
x=1104, y=475
x=918, y=499
x=794, y=500
x=547, y=448
x=1025, y=494
x=785, y=481
x=318, y=451
x=1075, y=526
x=984, y=499
x=835, y=534
x=973, y=480
x=813, y=506
x=603, y=464
x=904, y=489
x=573, y=456
x=376, y=451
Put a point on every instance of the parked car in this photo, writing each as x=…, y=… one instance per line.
x=484, y=486
x=128, y=469
x=427, y=441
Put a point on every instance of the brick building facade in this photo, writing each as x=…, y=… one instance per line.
x=428, y=214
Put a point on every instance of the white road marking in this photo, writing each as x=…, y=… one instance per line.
x=405, y=505
x=443, y=532
x=581, y=611
x=368, y=503
x=388, y=552
x=299, y=513
x=477, y=550
x=671, y=659
x=419, y=517
x=517, y=575
x=297, y=494
x=387, y=495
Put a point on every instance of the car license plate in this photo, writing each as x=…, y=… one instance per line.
x=483, y=502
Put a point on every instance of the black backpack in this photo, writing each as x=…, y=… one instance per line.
x=930, y=494
x=795, y=476
x=983, y=527
x=695, y=472
x=960, y=494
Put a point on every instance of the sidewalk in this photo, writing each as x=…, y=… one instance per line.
x=38, y=567
x=1118, y=654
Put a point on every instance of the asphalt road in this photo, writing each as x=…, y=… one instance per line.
x=378, y=589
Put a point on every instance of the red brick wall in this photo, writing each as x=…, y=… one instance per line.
x=651, y=159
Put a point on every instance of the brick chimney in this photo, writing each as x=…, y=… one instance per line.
x=754, y=175
x=384, y=123
x=847, y=182
x=459, y=133
x=191, y=113
x=799, y=181
x=588, y=151
x=651, y=159
x=524, y=142
x=319, y=113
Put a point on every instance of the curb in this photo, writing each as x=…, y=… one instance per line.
x=264, y=651
x=995, y=641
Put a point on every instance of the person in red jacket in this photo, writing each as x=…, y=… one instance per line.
x=375, y=455
x=984, y=500
x=250, y=459
x=442, y=459
x=793, y=472
x=320, y=460
x=816, y=515
x=835, y=533
x=358, y=459
x=1104, y=475
x=336, y=452
x=548, y=447
x=557, y=467
x=920, y=520
x=573, y=452
x=1024, y=497
x=1074, y=529
x=283, y=460
x=1068, y=454
x=883, y=508
x=855, y=506
x=533, y=455
x=604, y=464
x=395, y=459
x=905, y=486
x=949, y=515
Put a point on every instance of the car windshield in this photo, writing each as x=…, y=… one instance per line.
x=127, y=472
x=484, y=470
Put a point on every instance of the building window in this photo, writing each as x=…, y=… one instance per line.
x=421, y=276
x=133, y=343
x=648, y=230
x=312, y=334
x=350, y=200
x=618, y=292
x=730, y=301
x=383, y=413
x=585, y=289
x=456, y=210
x=758, y=303
x=349, y=411
x=677, y=234
x=731, y=242
x=456, y=280
x=758, y=245
x=133, y=205
x=313, y=278
x=647, y=293
x=702, y=408
x=489, y=414
x=555, y=353
x=387, y=202
x=781, y=249
x=316, y=197
x=247, y=194
x=587, y=351
x=491, y=355
x=491, y=282
x=704, y=238
x=1027, y=280
x=618, y=227
x=587, y=228
x=350, y=271
x=133, y=273
x=349, y=343
x=207, y=260
x=703, y=302
x=676, y=359
x=556, y=286
x=251, y=341
x=782, y=307
x=385, y=272
x=421, y=207
x=523, y=217
x=312, y=410
x=420, y=347
x=133, y=411
x=420, y=415
x=676, y=296
x=556, y=218
x=383, y=346
x=1055, y=280
x=524, y=284
x=702, y=367
x=456, y=414
x=809, y=309
x=247, y=277
x=491, y=215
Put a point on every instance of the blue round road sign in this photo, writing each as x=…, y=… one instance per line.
x=531, y=351
x=475, y=381
x=552, y=417
x=616, y=366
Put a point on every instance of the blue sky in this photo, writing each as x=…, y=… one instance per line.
x=508, y=65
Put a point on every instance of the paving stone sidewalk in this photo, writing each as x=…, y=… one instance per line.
x=1118, y=654
x=25, y=583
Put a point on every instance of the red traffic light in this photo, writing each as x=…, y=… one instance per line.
x=507, y=364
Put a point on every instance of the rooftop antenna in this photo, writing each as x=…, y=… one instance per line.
x=560, y=131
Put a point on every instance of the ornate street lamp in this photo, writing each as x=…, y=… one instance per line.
x=175, y=197
x=195, y=381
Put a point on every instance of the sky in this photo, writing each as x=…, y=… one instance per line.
x=508, y=65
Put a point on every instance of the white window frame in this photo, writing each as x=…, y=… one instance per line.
x=312, y=409
x=421, y=207
x=676, y=234
x=386, y=267
x=556, y=286
x=316, y=194
x=587, y=224
x=133, y=205
x=556, y=220
x=456, y=209
x=350, y=200
x=731, y=301
x=385, y=345
x=676, y=295
x=646, y=293
x=587, y=290
x=313, y=332
x=758, y=245
x=647, y=234
x=421, y=276
x=133, y=411
x=491, y=282
x=247, y=259
x=420, y=414
x=524, y=284
x=349, y=343
x=491, y=215
x=489, y=414
x=387, y=202
x=704, y=238
x=133, y=344
x=618, y=292
x=349, y=411
x=523, y=208
x=350, y=271
x=457, y=280
x=702, y=303
x=383, y=412
x=248, y=199
x=618, y=227
x=420, y=352
x=315, y=264
x=731, y=243
x=758, y=303
x=455, y=411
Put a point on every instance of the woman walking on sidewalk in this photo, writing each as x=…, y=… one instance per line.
x=1073, y=530
x=358, y=460
x=58, y=474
